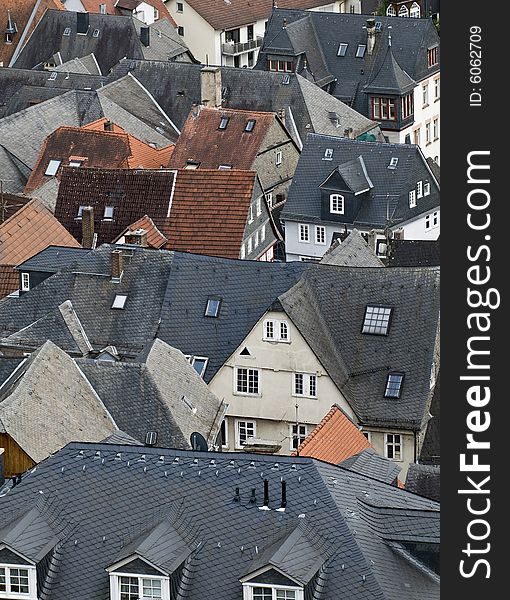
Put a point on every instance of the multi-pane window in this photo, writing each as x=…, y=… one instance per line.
x=432, y=56
x=390, y=11
x=427, y=133
x=133, y=588
x=259, y=206
x=336, y=204
x=286, y=66
x=260, y=593
x=407, y=106
x=244, y=430
x=25, y=282
x=304, y=233
x=412, y=199
x=383, y=108
x=377, y=320
x=14, y=580
x=425, y=91
x=276, y=331
x=435, y=128
x=437, y=88
x=419, y=189
x=272, y=593
x=393, y=446
x=298, y=435
x=305, y=384
x=432, y=220
x=415, y=11
x=320, y=234
x=247, y=381
x=394, y=385
x=180, y=7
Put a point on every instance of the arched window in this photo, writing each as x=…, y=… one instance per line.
x=336, y=204
x=415, y=11
x=390, y=11
x=403, y=11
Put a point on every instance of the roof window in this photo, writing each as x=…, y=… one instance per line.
x=394, y=385
x=120, y=301
x=360, y=52
x=224, y=167
x=75, y=163
x=328, y=154
x=393, y=162
x=192, y=164
x=108, y=213
x=212, y=308
x=286, y=79
x=95, y=33
x=53, y=76
x=342, y=49
x=378, y=25
x=250, y=125
x=52, y=167
x=67, y=31
x=223, y=122
x=377, y=320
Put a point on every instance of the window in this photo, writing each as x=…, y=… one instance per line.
x=412, y=198
x=383, y=108
x=320, y=234
x=25, y=282
x=437, y=89
x=393, y=162
x=53, y=76
x=224, y=167
x=394, y=385
x=390, y=11
x=222, y=439
x=133, y=588
x=259, y=206
x=256, y=242
x=275, y=331
x=342, y=49
x=305, y=385
x=80, y=212
x=95, y=33
x=377, y=320
x=102, y=9
x=336, y=204
x=250, y=125
x=14, y=580
x=263, y=233
x=120, y=301
x=403, y=11
x=269, y=199
x=419, y=188
x=285, y=78
x=304, y=233
x=432, y=56
x=67, y=31
x=425, y=91
x=192, y=164
x=199, y=363
x=407, y=106
x=435, y=128
x=279, y=158
x=393, y=446
x=244, y=430
x=426, y=189
x=243, y=252
x=267, y=592
x=298, y=435
x=52, y=167
x=223, y=123
x=247, y=381
x=108, y=213
x=328, y=154
x=249, y=245
x=180, y=30
x=427, y=133
x=432, y=220
x=212, y=307
x=360, y=52
x=416, y=137
x=180, y=7
x=75, y=163
x=415, y=11
x=156, y=14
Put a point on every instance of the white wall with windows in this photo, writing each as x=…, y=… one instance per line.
x=18, y=581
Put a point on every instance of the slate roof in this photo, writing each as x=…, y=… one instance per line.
x=368, y=462
x=389, y=196
x=119, y=36
x=431, y=450
x=359, y=363
x=352, y=252
x=414, y=253
x=7, y=366
x=53, y=259
x=185, y=493
x=86, y=65
x=424, y=480
x=176, y=87
x=318, y=35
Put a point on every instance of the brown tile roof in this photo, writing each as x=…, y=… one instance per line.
x=111, y=7
x=21, y=11
x=9, y=280
x=10, y=204
x=97, y=148
x=335, y=439
x=30, y=230
x=202, y=141
x=209, y=212
x=155, y=238
x=223, y=15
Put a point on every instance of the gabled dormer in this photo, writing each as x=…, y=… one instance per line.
x=344, y=189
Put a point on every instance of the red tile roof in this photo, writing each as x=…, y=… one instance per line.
x=209, y=212
x=111, y=7
x=10, y=204
x=155, y=238
x=9, y=280
x=223, y=15
x=335, y=439
x=202, y=141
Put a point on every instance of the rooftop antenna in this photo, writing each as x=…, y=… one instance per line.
x=297, y=429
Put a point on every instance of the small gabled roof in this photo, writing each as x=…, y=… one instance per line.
x=391, y=78
x=86, y=65
x=155, y=239
x=368, y=462
x=424, y=480
x=354, y=174
x=354, y=251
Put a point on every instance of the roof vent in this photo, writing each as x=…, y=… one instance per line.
x=151, y=437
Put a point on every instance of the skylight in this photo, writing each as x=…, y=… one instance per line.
x=393, y=162
x=108, y=212
x=67, y=31
x=377, y=320
x=52, y=167
x=224, y=167
x=120, y=301
x=192, y=164
x=394, y=385
x=378, y=25
x=250, y=125
x=53, y=76
x=342, y=49
x=360, y=52
x=286, y=79
x=212, y=308
x=75, y=163
x=95, y=33
x=328, y=154
x=223, y=122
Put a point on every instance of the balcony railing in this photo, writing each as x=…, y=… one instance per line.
x=241, y=47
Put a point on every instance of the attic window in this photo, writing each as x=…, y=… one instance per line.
x=328, y=154
x=394, y=385
x=250, y=125
x=120, y=301
x=95, y=33
x=52, y=167
x=212, y=308
x=80, y=212
x=223, y=123
x=378, y=25
x=360, y=52
x=53, y=76
x=67, y=31
x=108, y=213
x=342, y=49
x=286, y=79
x=393, y=162
x=16, y=581
x=75, y=163
x=192, y=164
x=257, y=592
x=377, y=320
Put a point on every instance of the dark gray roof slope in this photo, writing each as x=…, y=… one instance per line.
x=321, y=34
x=370, y=463
x=389, y=196
x=53, y=259
x=414, y=253
x=352, y=252
x=424, y=480
x=431, y=450
x=188, y=505
x=118, y=37
x=359, y=363
x=8, y=366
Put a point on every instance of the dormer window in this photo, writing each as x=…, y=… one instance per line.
x=412, y=199
x=403, y=11
x=383, y=109
x=18, y=581
x=108, y=213
x=336, y=204
x=407, y=106
x=199, y=363
x=269, y=592
x=419, y=189
x=134, y=587
x=67, y=31
x=426, y=189
x=432, y=56
x=25, y=282
x=377, y=320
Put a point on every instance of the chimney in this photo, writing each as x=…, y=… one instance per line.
x=349, y=133
x=398, y=235
x=108, y=126
x=145, y=36
x=284, y=495
x=210, y=84
x=370, y=36
x=117, y=266
x=253, y=497
x=266, y=496
x=237, y=497
x=82, y=22
x=87, y=227
x=137, y=237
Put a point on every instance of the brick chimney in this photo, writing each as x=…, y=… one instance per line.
x=87, y=227
x=370, y=36
x=108, y=126
x=117, y=265
x=137, y=237
x=210, y=87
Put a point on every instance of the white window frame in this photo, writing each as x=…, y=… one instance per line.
x=119, y=301
x=25, y=282
x=428, y=139
x=298, y=437
x=390, y=11
x=269, y=198
x=75, y=163
x=419, y=189
x=412, y=198
x=179, y=7
x=108, y=213
x=32, y=581
x=102, y=9
x=263, y=233
x=403, y=11
x=336, y=199
x=249, y=244
x=432, y=220
x=248, y=590
x=256, y=394
x=256, y=241
x=191, y=358
x=277, y=331
x=279, y=158
x=394, y=444
x=52, y=168
x=115, y=584
x=426, y=188
x=437, y=88
x=259, y=206
x=243, y=251
x=302, y=229
x=425, y=90
x=415, y=11
x=322, y=230
x=306, y=385
x=238, y=444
